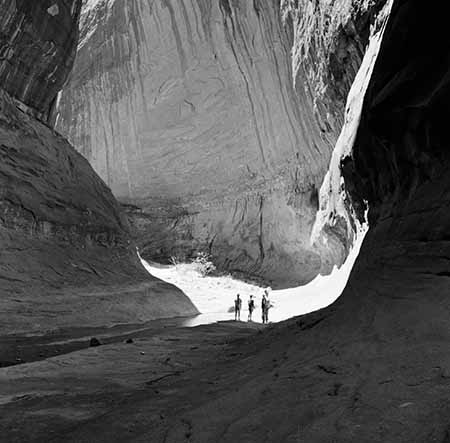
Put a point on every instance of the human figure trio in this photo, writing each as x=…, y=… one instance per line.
x=265, y=306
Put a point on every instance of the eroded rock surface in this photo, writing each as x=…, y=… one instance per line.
x=214, y=122
x=66, y=257
x=329, y=42
x=374, y=367
x=38, y=42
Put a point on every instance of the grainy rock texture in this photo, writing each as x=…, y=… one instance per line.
x=214, y=122
x=66, y=257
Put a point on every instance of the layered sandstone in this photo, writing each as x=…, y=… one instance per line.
x=66, y=257
x=214, y=122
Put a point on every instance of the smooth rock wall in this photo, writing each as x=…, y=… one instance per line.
x=203, y=117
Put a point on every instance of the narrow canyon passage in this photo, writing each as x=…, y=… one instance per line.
x=372, y=367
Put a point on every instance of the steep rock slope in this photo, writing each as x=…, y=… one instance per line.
x=198, y=117
x=65, y=256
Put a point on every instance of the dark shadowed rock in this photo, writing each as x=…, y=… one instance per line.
x=94, y=342
x=38, y=41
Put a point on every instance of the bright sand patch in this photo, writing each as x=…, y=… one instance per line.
x=214, y=296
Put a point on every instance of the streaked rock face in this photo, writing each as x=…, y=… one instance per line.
x=329, y=42
x=37, y=48
x=204, y=117
x=66, y=257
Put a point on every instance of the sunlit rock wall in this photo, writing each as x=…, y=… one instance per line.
x=214, y=122
x=329, y=42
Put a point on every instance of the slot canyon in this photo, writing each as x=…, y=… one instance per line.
x=264, y=133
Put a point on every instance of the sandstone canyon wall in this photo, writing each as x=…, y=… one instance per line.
x=390, y=328
x=66, y=257
x=214, y=122
x=374, y=367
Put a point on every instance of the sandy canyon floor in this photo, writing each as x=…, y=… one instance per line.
x=294, y=381
x=226, y=382
x=214, y=296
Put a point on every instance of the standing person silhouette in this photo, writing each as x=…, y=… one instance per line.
x=267, y=306
x=263, y=307
x=251, y=307
x=237, y=308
